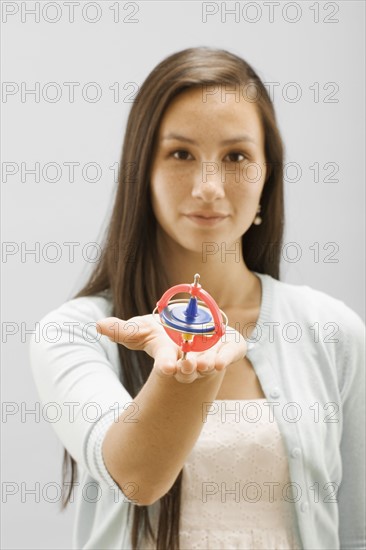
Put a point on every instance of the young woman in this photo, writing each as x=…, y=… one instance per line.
x=257, y=442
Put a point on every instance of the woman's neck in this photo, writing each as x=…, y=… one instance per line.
x=223, y=272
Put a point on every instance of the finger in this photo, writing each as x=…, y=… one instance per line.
x=118, y=330
x=206, y=361
x=166, y=359
x=186, y=371
x=185, y=378
x=187, y=366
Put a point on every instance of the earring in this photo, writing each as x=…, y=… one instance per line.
x=258, y=219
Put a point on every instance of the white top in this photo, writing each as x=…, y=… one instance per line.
x=236, y=490
x=309, y=355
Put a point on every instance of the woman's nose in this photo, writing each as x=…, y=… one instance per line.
x=208, y=184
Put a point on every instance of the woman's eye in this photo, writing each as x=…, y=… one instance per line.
x=180, y=154
x=233, y=157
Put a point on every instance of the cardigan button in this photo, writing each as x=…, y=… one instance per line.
x=304, y=506
x=296, y=452
x=275, y=392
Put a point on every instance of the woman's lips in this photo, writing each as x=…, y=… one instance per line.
x=204, y=220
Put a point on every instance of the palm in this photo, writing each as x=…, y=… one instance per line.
x=144, y=333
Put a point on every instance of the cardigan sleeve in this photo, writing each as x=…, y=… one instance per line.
x=351, y=493
x=77, y=371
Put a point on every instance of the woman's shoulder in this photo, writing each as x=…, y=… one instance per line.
x=326, y=320
x=308, y=302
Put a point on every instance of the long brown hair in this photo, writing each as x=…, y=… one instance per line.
x=128, y=260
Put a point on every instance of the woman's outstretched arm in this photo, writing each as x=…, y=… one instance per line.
x=151, y=452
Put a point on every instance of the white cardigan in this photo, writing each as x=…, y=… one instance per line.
x=308, y=351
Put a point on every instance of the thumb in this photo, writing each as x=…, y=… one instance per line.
x=230, y=353
x=118, y=330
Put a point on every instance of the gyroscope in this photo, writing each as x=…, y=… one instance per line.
x=195, y=323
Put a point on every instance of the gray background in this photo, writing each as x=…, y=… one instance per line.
x=304, y=52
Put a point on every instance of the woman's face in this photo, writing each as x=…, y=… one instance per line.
x=208, y=169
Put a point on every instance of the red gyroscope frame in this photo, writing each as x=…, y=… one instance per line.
x=189, y=333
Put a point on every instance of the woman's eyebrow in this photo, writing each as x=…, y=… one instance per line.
x=224, y=142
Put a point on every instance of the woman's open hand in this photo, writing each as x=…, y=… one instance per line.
x=145, y=334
